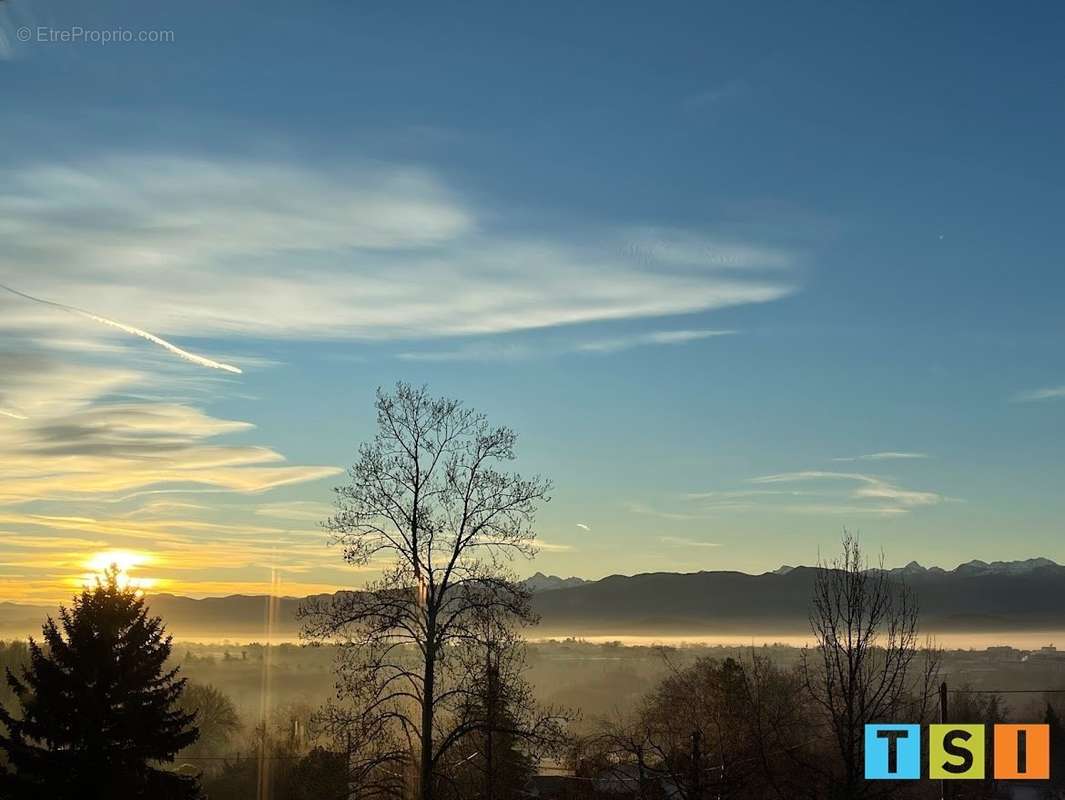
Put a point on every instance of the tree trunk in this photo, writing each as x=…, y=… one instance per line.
x=491, y=678
x=428, y=692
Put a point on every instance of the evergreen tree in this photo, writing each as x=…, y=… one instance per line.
x=1057, y=746
x=97, y=706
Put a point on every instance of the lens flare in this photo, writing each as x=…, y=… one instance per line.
x=125, y=561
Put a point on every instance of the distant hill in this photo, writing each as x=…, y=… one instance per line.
x=240, y=617
x=18, y=620
x=975, y=596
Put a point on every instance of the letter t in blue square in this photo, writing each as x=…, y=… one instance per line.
x=893, y=752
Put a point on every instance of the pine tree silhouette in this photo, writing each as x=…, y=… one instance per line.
x=97, y=705
x=1057, y=746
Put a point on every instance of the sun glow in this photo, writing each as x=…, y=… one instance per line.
x=125, y=561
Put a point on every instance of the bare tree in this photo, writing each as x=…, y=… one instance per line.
x=868, y=665
x=500, y=732
x=619, y=750
x=429, y=502
x=734, y=729
x=376, y=758
x=216, y=718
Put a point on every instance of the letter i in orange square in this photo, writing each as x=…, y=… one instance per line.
x=1022, y=752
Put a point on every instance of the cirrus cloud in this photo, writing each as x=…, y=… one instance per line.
x=891, y=497
x=890, y=455
x=187, y=246
x=1037, y=395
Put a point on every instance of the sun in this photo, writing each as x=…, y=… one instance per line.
x=125, y=561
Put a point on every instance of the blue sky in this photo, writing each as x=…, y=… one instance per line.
x=740, y=275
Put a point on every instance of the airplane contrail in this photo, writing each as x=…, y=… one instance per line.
x=151, y=337
x=11, y=414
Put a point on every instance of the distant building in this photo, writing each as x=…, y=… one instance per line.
x=1004, y=653
x=1047, y=653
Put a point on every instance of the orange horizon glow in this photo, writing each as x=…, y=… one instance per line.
x=59, y=590
x=124, y=561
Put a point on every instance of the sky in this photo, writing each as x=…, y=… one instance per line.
x=740, y=275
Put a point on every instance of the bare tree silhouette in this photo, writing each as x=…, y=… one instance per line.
x=736, y=728
x=500, y=731
x=868, y=664
x=428, y=500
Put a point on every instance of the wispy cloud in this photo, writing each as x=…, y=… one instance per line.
x=884, y=456
x=298, y=510
x=79, y=443
x=651, y=511
x=843, y=509
x=741, y=494
x=584, y=527
x=806, y=492
x=215, y=247
x=40, y=386
x=680, y=541
x=496, y=350
x=74, y=461
x=870, y=487
x=1035, y=396
x=552, y=547
x=644, y=339
x=475, y=351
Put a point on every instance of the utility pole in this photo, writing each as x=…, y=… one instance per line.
x=349, y=778
x=697, y=765
x=491, y=701
x=943, y=719
x=641, y=776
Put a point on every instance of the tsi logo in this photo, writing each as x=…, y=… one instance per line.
x=893, y=752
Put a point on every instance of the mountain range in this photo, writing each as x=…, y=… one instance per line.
x=546, y=583
x=974, y=567
x=975, y=596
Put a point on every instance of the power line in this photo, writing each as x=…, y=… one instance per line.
x=239, y=757
x=1006, y=691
